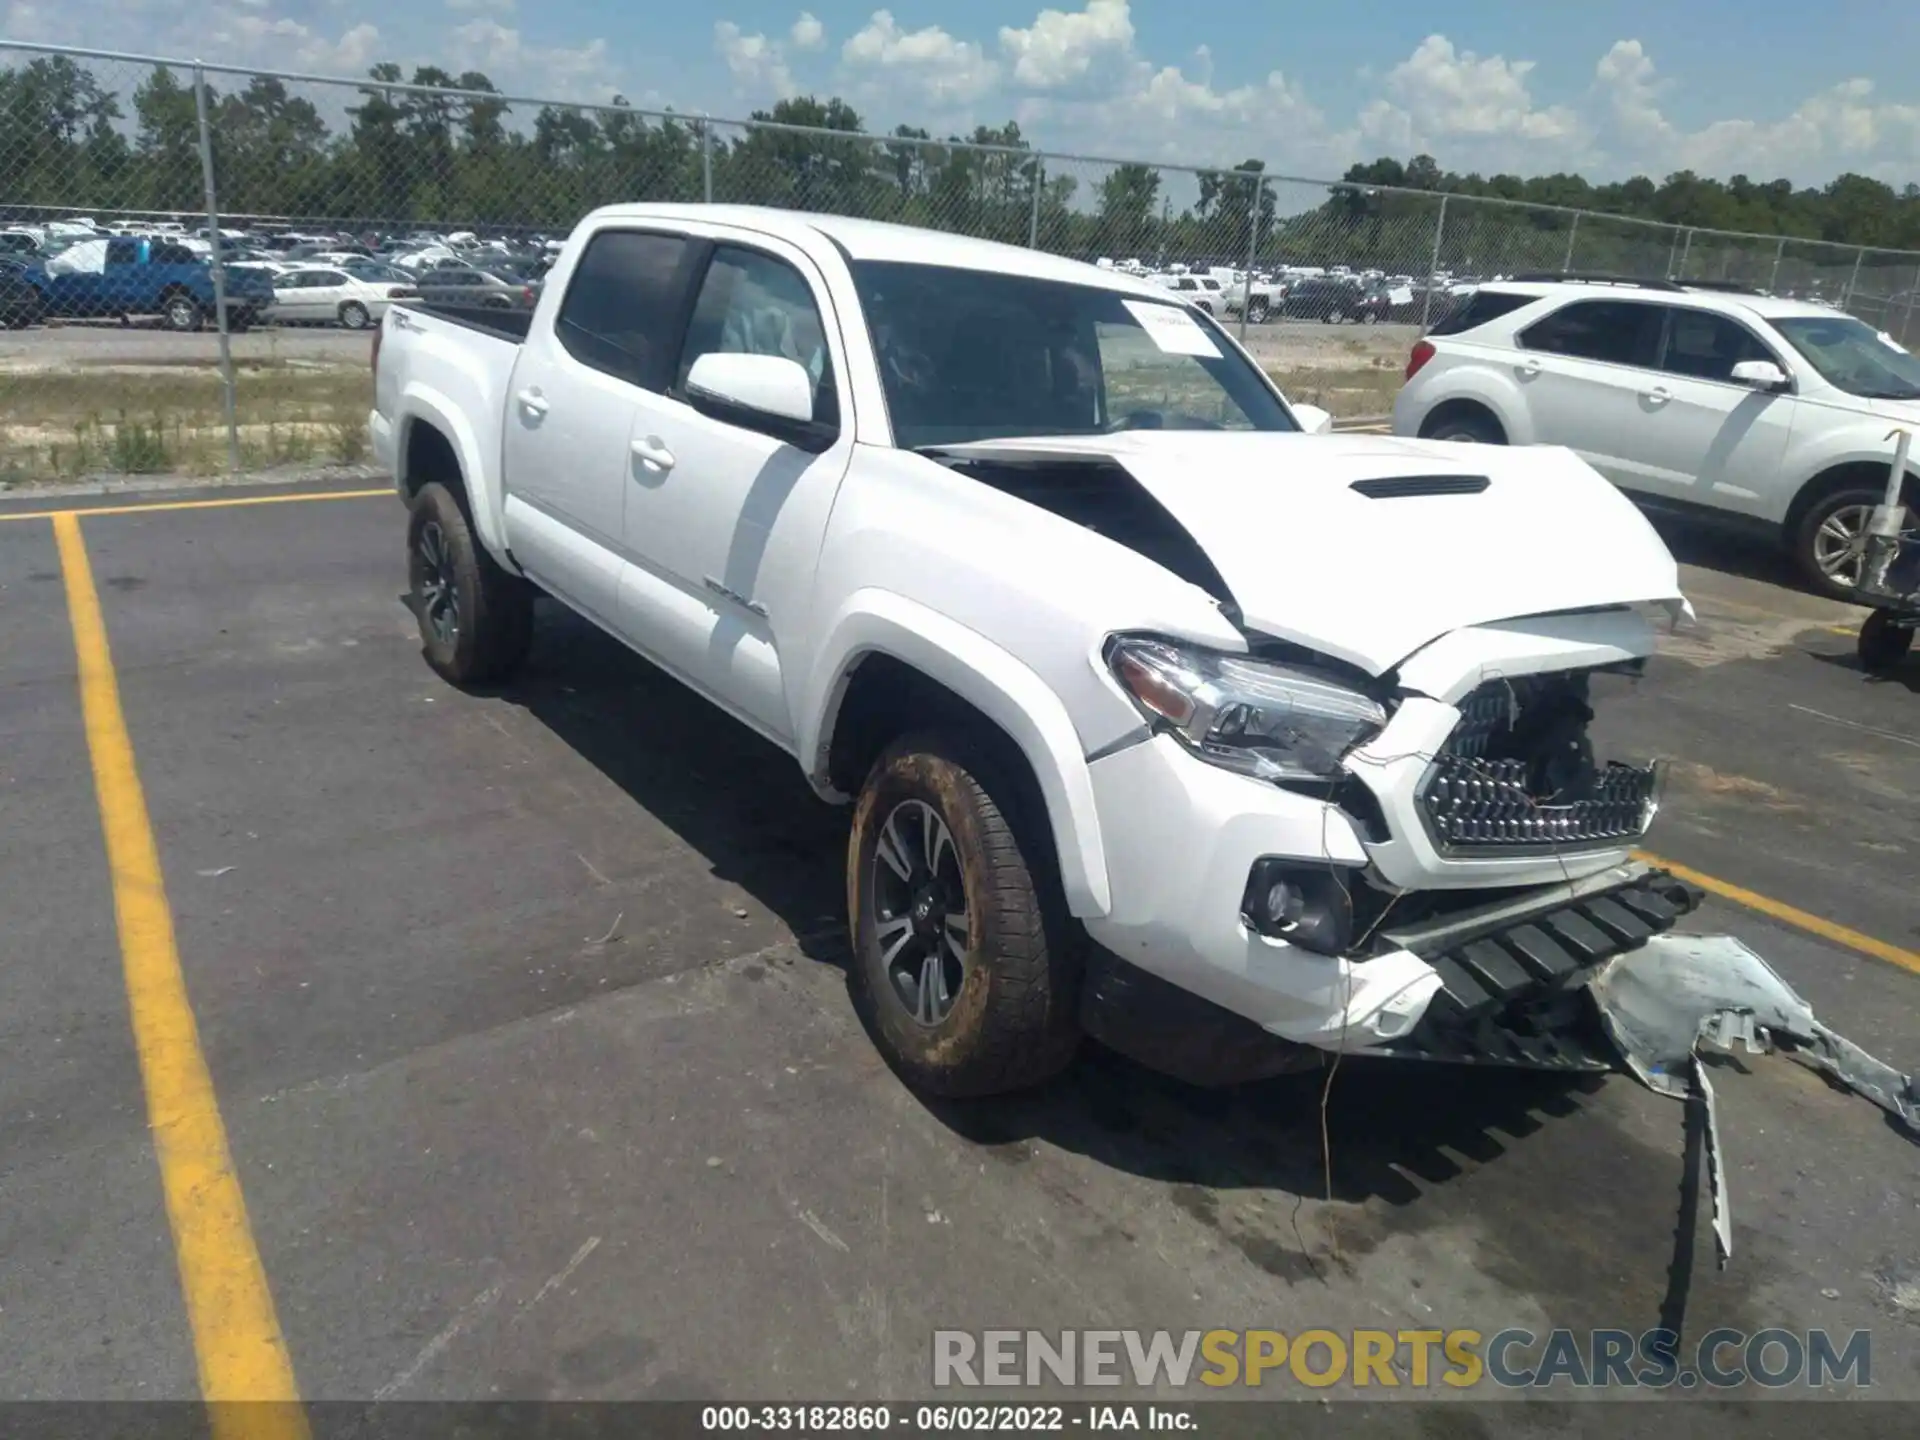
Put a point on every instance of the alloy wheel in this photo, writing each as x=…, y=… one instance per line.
x=917, y=911
x=434, y=583
x=1840, y=544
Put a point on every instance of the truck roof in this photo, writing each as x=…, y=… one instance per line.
x=879, y=240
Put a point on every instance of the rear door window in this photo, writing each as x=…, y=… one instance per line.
x=622, y=308
x=1619, y=332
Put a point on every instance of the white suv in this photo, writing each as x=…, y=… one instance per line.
x=1698, y=401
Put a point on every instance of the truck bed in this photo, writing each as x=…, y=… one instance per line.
x=503, y=324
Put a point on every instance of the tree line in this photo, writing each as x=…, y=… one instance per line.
x=446, y=151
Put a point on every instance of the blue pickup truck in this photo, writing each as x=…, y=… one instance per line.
x=143, y=276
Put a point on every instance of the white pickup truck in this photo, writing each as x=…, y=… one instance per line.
x=1166, y=716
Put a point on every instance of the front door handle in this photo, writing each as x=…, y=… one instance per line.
x=533, y=402
x=1658, y=395
x=651, y=451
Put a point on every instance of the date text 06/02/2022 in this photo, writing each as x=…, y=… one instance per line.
x=943, y=1418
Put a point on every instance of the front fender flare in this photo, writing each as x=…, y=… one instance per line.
x=999, y=685
x=421, y=403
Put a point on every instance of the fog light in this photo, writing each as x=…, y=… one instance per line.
x=1305, y=905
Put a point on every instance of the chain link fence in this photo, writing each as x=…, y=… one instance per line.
x=189, y=255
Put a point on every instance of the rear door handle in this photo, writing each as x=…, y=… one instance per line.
x=1658, y=395
x=652, y=451
x=533, y=402
x=1530, y=368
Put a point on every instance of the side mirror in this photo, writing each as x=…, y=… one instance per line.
x=768, y=393
x=1759, y=374
x=1313, y=419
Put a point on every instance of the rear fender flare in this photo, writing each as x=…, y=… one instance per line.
x=421, y=403
x=998, y=684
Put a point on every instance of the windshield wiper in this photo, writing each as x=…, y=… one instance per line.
x=1908, y=394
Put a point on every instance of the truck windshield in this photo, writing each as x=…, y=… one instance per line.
x=1854, y=356
x=977, y=355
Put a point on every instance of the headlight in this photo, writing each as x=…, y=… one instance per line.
x=1266, y=720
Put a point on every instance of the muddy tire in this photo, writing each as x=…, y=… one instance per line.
x=964, y=965
x=476, y=619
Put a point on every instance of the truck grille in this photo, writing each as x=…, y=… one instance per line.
x=1518, y=773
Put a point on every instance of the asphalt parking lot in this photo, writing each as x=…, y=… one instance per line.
x=525, y=1022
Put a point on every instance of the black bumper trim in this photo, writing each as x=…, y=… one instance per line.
x=1509, y=993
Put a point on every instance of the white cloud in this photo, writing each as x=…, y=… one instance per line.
x=286, y=43
x=1440, y=96
x=1064, y=48
x=758, y=65
x=1843, y=127
x=807, y=33
x=581, y=72
x=928, y=62
x=495, y=7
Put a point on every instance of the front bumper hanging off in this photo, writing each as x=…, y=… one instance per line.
x=1600, y=983
x=1512, y=974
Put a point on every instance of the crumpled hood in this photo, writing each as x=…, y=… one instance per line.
x=1371, y=579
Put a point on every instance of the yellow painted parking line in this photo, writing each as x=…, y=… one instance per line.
x=228, y=502
x=1790, y=914
x=237, y=1343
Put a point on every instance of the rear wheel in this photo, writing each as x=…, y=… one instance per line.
x=354, y=315
x=963, y=964
x=1468, y=429
x=475, y=618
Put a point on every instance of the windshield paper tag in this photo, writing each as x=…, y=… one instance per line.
x=1172, y=329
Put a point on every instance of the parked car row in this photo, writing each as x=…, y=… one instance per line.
x=77, y=268
x=121, y=277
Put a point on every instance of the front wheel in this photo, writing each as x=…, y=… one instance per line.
x=1257, y=312
x=1884, y=642
x=475, y=618
x=963, y=966
x=1829, y=545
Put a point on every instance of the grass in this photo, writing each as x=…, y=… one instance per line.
x=65, y=425
x=1347, y=392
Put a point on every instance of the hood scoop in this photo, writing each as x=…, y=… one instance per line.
x=1407, y=487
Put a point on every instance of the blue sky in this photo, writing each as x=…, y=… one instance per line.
x=1766, y=87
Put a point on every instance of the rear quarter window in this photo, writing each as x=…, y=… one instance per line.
x=1480, y=308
